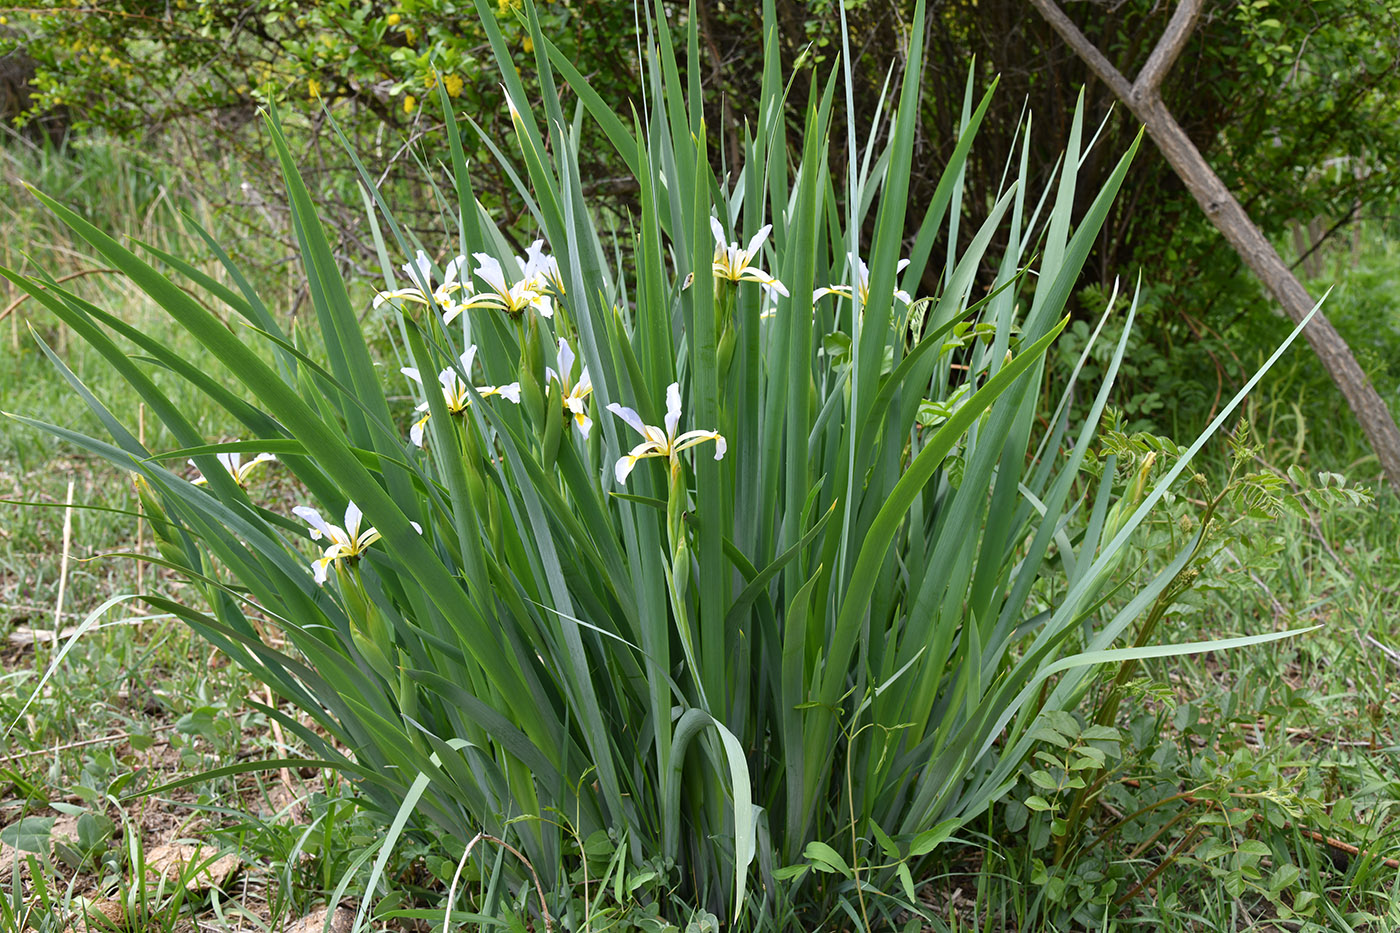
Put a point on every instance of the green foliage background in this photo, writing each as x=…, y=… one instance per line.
x=189, y=77
x=1297, y=104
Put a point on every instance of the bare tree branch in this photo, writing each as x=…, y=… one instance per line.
x=1234, y=223
x=1149, y=81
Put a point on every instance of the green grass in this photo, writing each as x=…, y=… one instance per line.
x=1307, y=723
x=138, y=700
x=1302, y=726
x=1296, y=740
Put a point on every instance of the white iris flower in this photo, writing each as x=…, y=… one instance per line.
x=455, y=393
x=863, y=285
x=574, y=391
x=736, y=264
x=530, y=290
x=347, y=543
x=661, y=443
x=540, y=270
x=233, y=463
x=442, y=297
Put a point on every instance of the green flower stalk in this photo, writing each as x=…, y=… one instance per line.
x=482, y=501
x=732, y=265
x=553, y=424
x=726, y=334
x=162, y=529
x=532, y=385
x=371, y=635
x=368, y=631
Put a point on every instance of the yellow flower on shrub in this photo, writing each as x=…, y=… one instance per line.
x=393, y=19
x=409, y=103
x=453, y=84
x=313, y=87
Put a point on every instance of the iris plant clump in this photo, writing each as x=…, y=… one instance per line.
x=666, y=559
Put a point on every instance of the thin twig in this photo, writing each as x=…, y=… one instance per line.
x=1333, y=843
x=1330, y=841
x=29, y=607
x=63, y=568
x=1152, y=875
x=539, y=888
x=114, y=737
x=1390, y=653
x=1280, y=611
x=1347, y=218
x=9, y=309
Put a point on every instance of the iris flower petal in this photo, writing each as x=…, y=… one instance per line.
x=633, y=420
x=353, y=516
x=673, y=408
x=319, y=526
